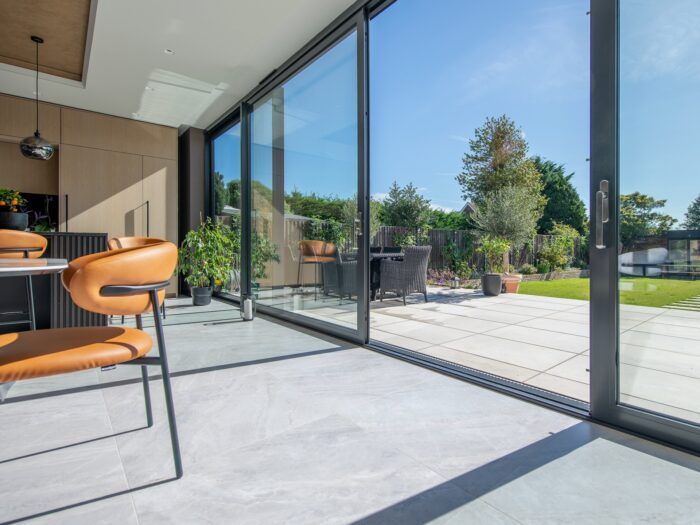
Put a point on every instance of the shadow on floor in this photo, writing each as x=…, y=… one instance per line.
x=441, y=500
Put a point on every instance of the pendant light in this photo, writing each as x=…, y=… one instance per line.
x=35, y=147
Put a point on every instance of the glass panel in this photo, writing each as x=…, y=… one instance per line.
x=483, y=107
x=305, y=180
x=227, y=196
x=660, y=209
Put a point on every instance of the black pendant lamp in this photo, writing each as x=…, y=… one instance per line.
x=35, y=147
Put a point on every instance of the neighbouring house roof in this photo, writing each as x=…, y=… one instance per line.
x=468, y=208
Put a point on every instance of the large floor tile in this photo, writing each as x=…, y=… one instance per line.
x=421, y=331
x=576, y=369
x=661, y=387
x=511, y=352
x=561, y=385
x=555, y=325
x=673, y=362
x=546, y=338
x=482, y=364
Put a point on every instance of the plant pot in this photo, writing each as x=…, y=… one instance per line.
x=511, y=283
x=491, y=283
x=201, y=296
x=11, y=220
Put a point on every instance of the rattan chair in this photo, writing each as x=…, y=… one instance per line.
x=407, y=276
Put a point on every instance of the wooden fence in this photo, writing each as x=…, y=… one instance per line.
x=465, y=241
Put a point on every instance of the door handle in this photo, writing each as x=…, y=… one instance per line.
x=358, y=224
x=602, y=213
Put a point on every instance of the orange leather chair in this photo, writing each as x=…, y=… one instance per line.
x=128, y=281
x=315, y=252
x=117, y=243
x=18, y=244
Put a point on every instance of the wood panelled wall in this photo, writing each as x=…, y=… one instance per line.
x=112, y=175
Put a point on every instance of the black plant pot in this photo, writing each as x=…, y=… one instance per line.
x=201, y=296
x=10, y=220
x=491, y=283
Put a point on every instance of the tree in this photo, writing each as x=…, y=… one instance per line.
x=220, y=192
x=449, y=220
x=498, y=159
x=638, y=218
x=564, y=205
x=692, y=216
x=509, y=213
x=233, y=197
x=404, y=206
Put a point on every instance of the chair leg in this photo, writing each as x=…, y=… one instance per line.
x=162, y=307
x=146, y=386
x=425, y=294
x=30, y=303
x=166, y=385
x=403, y=294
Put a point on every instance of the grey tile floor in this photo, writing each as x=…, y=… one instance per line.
x=280, y=425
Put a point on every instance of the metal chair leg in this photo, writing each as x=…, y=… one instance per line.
x=146, y=387
x=30, y=303
x=166, y=385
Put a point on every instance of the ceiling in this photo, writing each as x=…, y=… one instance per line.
x=221, y=49
x=63, y=27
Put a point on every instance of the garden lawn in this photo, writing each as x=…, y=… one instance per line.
x=641, y=291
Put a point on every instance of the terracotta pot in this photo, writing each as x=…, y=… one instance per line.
x=511, y=283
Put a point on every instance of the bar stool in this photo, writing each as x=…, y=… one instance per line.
x=118, y=243
x=16, y=244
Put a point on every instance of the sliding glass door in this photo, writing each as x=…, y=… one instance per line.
x=646, y=199
x=306, y=189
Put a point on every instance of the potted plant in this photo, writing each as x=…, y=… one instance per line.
x=205, y=257
x=493, y=249
x=11, y=218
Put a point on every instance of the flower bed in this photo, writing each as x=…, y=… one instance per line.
x=560, y=274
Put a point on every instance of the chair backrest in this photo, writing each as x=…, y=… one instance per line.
x=375, y=249
x=11, y=240
x=417, y=257
x=391, y=249
x=87, y=275
x=117, y=243
x=317, y=248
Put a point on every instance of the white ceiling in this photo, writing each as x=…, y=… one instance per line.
x=222, y=49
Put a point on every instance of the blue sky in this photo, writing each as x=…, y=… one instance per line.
x=439, y=69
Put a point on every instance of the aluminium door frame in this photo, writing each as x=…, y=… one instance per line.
x=604, y=305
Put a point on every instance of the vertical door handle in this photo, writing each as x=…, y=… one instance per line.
x=602, y=213
x=358, y=224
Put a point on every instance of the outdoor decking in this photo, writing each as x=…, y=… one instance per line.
x=544, y=342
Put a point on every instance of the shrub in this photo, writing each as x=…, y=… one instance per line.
x=206, y=254
x=558, y=251
x=493, y=249
x=527, y=269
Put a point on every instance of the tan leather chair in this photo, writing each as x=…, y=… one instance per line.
x=129, y=281
x=117, y=243
x=315, y=252
x=15, y=245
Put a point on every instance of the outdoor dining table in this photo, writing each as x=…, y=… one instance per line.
x=375, y=265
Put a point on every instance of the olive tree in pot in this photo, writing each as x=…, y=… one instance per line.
x=493, y=249
x=205, y=257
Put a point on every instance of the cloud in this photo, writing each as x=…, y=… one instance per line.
x=379, y=196
x=659, y=39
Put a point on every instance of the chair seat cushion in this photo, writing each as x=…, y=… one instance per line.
x=318, y=259
x=40, y=353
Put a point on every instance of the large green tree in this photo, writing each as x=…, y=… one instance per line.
x=220, y=192
x=405, y=206
x=233, y=189
x=639, y=218
x=692, y=216
x=564, y=205
x=449, y=220
x=498, y=159
x=509, y=213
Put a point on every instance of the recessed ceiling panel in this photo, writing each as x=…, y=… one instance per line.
x=62, y=24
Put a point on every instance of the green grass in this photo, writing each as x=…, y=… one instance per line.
x=640, y=291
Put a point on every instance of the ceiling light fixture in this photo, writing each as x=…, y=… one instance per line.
x=36, y=147
x=168, y=51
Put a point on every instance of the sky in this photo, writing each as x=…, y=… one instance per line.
x=439, y=69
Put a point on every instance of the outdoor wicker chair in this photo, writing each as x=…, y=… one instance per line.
x=407, y=276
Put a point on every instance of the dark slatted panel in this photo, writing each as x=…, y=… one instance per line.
x=64, y=313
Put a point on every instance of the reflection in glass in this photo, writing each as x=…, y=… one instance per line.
x=659, y=207
x=304, y=186
x=227, y=197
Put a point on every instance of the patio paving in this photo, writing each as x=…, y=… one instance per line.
x=543, y=342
